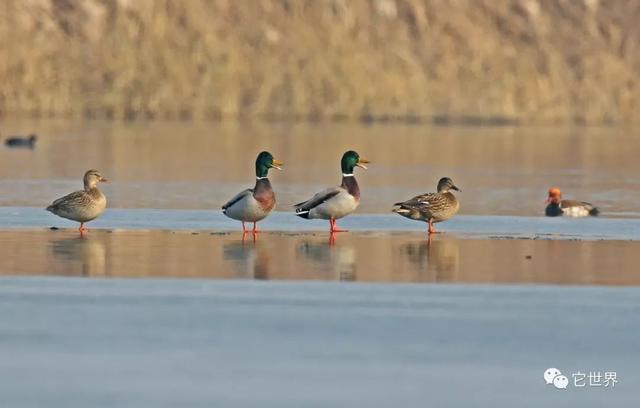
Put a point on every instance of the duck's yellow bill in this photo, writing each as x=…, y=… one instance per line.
x=361, y=163
x=277, y=164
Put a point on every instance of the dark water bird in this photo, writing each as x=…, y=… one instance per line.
x=336, y=202
x=84, y=205
x=431, y=207
x=21, y=141
x=556, y=206
x=254, y=204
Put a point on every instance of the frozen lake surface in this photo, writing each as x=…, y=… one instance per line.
x=206, y=244
x=76, y=343
x=472, y=226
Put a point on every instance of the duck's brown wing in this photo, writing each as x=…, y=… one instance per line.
x=415, y=201
x=70, y=201
x=432, y=203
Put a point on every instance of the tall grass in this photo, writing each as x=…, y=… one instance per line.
x=442, y=60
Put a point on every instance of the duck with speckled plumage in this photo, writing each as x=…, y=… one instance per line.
x=431, y=207
x=84, y=205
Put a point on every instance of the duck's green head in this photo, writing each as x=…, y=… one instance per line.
x=264, y=162
x=350, y=160
x=445, y=184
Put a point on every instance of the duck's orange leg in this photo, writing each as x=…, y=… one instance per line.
x=255, y=228
x=432, y=229
x=244, y=236
x=334, y=227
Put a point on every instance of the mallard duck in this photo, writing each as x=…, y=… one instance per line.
x=556, y=206
x=254, y=204
x=431, y=207
x=336, y=202
x=21, y=141
x=84, y=205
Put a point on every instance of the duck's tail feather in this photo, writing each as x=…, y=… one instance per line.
x=302, y=213
x=594, y=211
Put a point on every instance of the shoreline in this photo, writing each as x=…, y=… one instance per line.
x=213, y=221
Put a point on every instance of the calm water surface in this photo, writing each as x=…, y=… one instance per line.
x=501, y=170
x=399, y=257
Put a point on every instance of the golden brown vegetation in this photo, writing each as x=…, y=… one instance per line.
x=484, y=60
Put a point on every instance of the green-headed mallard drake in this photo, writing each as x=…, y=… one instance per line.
x=254, y=204
x=335, y=202
x=431, y=207
x=84, y=205
x=556, y=206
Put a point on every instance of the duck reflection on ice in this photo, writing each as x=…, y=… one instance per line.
x=437, y=260
x=89, y=253
x=249, y=259
x=337, y=260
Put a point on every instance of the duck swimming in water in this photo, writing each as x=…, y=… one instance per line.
x=556, y=206
x=21, y=141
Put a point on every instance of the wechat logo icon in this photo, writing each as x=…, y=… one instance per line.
x=555, y=377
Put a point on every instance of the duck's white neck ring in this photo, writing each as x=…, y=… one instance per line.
x=347, y=174
x=261, y=178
